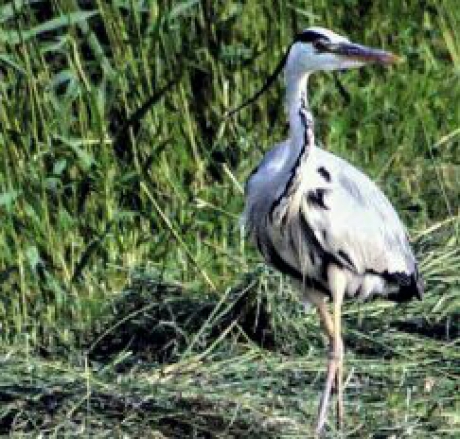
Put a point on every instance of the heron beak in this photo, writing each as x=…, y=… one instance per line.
x=362, y=54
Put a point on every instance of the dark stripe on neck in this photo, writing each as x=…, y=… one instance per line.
x=292, y=175
x=304, y=152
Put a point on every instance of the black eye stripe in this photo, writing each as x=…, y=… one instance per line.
x=310, y=36
x=321, y=45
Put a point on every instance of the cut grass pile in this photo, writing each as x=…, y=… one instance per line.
x=174, y=363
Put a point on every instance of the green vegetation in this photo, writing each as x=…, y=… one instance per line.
x=130, y=303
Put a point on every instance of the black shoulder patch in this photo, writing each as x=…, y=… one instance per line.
x=324, y=173
x=316, y=198
x=410, y=285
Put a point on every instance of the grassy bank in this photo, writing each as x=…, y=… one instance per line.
x=129, y=299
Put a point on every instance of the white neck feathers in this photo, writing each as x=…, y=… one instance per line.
x=301, y=133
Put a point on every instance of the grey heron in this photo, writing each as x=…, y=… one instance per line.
x=316, y=218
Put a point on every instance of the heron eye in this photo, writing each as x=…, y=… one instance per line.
x=321, y=45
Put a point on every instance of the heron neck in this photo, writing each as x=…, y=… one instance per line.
x=300, y=116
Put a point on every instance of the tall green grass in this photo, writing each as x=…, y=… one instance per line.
x=116, y=158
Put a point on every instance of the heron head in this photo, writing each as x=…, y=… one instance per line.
x=316, y=49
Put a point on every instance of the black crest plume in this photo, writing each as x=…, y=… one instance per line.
x=268, y=83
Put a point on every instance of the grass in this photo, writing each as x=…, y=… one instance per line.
x=130, y=301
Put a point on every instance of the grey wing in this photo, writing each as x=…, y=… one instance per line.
x=354, y=222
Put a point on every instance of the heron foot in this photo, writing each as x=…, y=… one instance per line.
x=334, y=380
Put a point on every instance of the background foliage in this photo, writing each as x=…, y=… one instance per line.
x=120, y=191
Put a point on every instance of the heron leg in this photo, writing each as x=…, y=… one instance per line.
x=338, y=354
x=333, y=327
x=328, y=324
x=325, y=397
